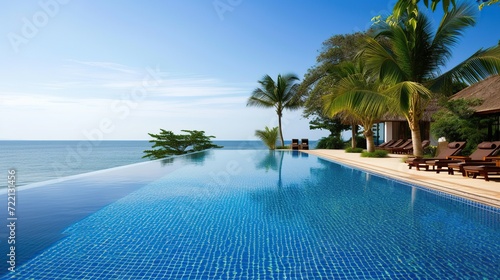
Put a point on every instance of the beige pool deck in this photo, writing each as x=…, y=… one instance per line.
x=474, y=189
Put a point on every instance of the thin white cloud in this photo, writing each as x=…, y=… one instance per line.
x=83, y=93
x=106, y=65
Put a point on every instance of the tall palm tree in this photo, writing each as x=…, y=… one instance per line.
x=358, y=96
x=413, y=56
x=280, y=94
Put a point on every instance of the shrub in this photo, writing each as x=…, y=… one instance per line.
x=376, y=154
x=330, y=142
x=269, y=136
x=355, y=150
x=166, y=143
x=283, y=147
x=430, y=151
x=360, y=142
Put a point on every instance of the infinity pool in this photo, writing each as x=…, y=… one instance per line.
x=248, y=215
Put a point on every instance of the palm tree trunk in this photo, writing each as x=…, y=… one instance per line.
x=416, y=139
x=281, y=131
x=354, y=131
x=370, y=145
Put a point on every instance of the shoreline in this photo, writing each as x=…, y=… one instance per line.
x=477, y=190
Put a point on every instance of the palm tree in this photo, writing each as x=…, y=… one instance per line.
x=330, y=69
x=412, y=6
x=268, y=136
x=358, y=96
x=280, y=94
x=412, y=58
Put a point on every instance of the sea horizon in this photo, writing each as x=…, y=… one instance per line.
x=37, y=161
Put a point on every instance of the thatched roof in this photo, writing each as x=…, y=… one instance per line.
x=488, y=91
x=432, y=108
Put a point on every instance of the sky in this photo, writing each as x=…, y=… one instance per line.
x=118, y=70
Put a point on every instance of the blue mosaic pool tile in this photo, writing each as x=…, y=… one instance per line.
x=337, y=223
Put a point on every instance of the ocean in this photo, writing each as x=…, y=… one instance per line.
x=37, y=161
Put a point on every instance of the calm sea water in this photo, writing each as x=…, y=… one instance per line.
x=37, y=161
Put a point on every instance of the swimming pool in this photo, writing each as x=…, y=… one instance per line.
x=249, y=215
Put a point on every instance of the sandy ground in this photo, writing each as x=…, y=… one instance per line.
x=393, y=166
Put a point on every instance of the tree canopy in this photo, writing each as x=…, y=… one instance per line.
x=167, y=143
x=360, y=96
x=415, y=53
x=456, y=121
x=319, y=80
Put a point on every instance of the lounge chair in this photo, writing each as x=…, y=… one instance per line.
x=304, y=144
x=451, y=149
x=386, y=143
x=483, y=150
x=481, y=170
x=406, y=145
x=395, y=144
x=409, y=151
x=478, y=157
x=295, y=144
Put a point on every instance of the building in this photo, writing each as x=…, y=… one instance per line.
x=488, y=91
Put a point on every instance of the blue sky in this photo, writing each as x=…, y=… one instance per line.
x=74, y=69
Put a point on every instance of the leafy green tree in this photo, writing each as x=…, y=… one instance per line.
x=445, y=3
x=456, y=122
x=269, y=136
x=335, y=125
x=280, y=95
x=320, y=78
x=168, y=143
x=358, y=95
x=410, y=7
x=412, y=57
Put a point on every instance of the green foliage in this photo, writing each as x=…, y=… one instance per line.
x=457, y=122
x=430, y=151
x=413, y=59
x=354, y=150
x=269, y=136
x=405, y=6
x=168, y=143
x=375, y=154
x=360, y=141
x=334, y=125
x=330, y=142
x=319, y=79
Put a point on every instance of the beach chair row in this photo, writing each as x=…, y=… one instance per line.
x=483, y=162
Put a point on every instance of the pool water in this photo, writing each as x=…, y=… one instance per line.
x=252, y=215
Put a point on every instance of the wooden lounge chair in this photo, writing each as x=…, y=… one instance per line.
x=451, y=149
x=386, y=143
x=409, y=151
x=402, y=148
x=481, y=170
x=396, y=144
x=295, y=144
x=483, y=150
x=304, y=145
x=479, y=157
